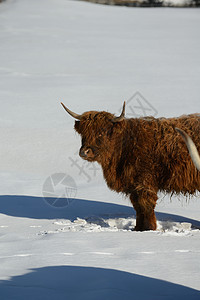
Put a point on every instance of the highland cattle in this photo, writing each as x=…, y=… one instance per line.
x=141, y=156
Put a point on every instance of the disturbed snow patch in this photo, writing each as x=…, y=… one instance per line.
x=174, y=228
x=113, y=224
x=98, y=224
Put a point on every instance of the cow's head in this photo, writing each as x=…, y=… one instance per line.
x=97, y=130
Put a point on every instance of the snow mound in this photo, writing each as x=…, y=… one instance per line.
x=117, y=224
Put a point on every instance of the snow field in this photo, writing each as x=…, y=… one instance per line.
x=90, y=57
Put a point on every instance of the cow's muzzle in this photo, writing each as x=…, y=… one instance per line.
x=86, y=153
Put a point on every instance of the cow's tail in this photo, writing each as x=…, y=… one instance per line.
x=191, y=148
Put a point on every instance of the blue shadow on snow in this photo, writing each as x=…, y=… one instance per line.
x=87, y=283
x=37, y=208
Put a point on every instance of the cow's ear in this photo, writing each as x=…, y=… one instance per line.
x=77, y=126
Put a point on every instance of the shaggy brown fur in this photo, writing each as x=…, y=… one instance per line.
x=140, y=157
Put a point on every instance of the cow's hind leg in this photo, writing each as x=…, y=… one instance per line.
x=144, y=203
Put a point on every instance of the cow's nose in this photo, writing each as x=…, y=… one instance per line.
x=82, y=153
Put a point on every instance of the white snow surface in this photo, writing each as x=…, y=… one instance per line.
x=80, y=244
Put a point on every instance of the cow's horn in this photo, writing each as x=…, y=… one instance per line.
x=74, y=115
x=121, y=117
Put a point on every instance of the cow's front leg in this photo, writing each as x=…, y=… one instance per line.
x=144, y=203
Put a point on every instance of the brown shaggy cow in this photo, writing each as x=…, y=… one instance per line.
x=140, y=156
